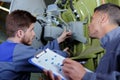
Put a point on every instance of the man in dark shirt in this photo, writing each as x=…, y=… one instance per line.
x=104, y=26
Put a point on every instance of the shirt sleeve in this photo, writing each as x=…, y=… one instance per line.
x=98, y=76
x=51, y=45
x=23, y=53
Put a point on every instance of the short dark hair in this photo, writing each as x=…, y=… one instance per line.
x=112, y=10
x=18, y=19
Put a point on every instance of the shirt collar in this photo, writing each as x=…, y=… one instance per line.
x=109, y=37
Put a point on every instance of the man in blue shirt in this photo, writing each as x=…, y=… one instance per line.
x=16, y=50
x=104, y=26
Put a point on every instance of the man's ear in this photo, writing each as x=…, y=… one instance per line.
x=20, y=33
x=104, y=18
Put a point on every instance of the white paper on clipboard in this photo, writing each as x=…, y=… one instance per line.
x=49, y=60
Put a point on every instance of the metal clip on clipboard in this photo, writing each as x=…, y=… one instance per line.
x=40, y=54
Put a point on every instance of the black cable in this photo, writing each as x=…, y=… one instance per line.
x=74, y=11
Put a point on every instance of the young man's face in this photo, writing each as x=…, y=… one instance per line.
x=29, y=35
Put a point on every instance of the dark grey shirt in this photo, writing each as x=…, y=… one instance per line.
x=109, y=66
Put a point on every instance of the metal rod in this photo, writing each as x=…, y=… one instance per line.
x=5, y=9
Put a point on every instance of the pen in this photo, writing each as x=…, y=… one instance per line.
x=62, y=64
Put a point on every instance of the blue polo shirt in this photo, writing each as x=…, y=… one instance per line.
x=14, y=57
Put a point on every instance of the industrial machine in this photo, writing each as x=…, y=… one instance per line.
x=57, y=15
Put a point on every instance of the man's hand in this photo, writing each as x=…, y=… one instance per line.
x=50, y=75
x=67, y=51
x=64, y=35
x=73, y=69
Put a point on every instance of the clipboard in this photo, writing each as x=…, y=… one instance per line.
x=49, y=60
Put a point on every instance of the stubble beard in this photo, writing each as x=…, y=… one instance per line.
x=25, y=41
